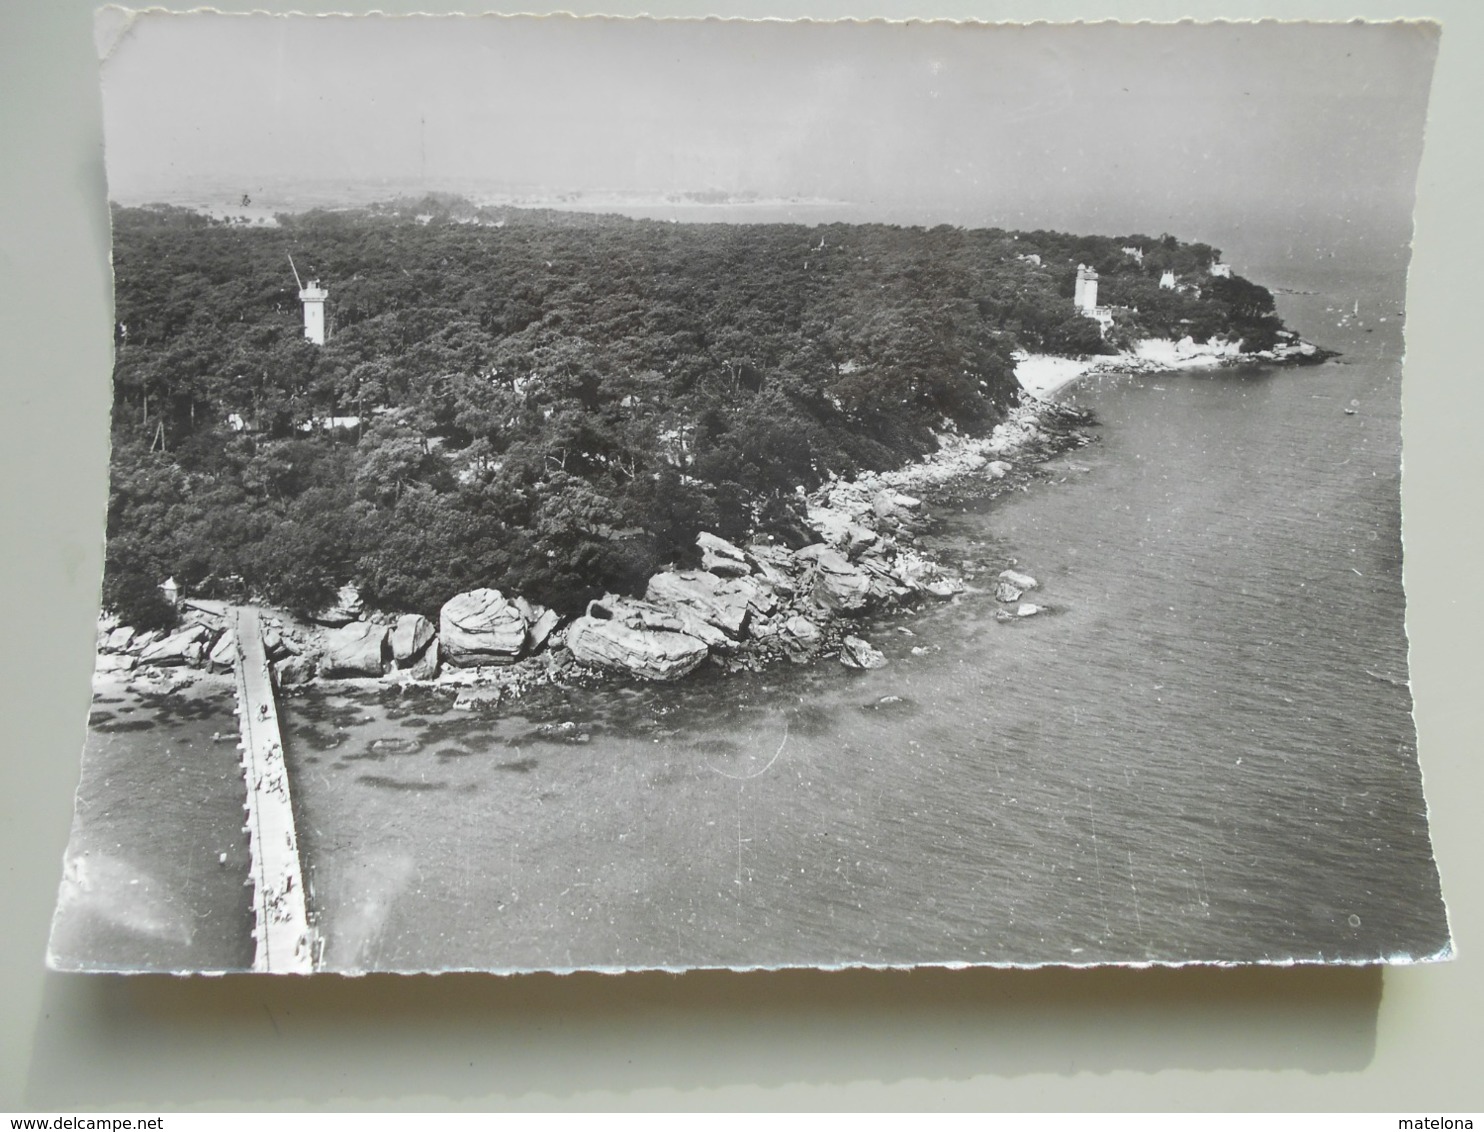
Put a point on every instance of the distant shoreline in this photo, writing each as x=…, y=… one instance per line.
x=1044, y=376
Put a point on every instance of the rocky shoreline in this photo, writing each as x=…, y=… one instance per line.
x=744, y=608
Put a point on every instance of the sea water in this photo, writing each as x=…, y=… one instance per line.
x=1202, y=751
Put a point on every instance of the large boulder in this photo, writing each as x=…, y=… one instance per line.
x=759, y=593
x=425, y=667
x=539, y=631
x=718, y=602
x=1006, y=593
x=276, y=645
x=481, y=627
x=837, y=585
x=693, y=624
x=721, y=557
x=185, y=647
x=357, y=649
x=346, y=607
x=634, y=637
x=142, y=641
x=206, y=618
x=776, y=565
x=294, y=670
x=858, y=653
x=884, y=585
x=119, y=640
x=410, y=636
x=223, y=655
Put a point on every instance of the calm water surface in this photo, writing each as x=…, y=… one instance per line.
x=1205, y=752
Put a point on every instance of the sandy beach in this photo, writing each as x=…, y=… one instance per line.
x=1045, y=375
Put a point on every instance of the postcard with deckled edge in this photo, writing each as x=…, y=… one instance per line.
x=612, y=494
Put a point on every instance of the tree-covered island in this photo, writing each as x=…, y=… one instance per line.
x=556, y=405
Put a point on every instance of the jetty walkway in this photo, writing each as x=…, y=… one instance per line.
x=285, y=942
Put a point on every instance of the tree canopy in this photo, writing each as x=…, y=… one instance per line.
x=554, y=403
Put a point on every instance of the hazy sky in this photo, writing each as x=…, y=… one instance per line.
x=1269, y=135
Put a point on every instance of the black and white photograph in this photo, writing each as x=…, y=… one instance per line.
x=627, y=494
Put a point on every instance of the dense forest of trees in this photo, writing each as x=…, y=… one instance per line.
x=555, y=404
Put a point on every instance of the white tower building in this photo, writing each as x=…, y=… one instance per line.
x=313, y=297
x=1085, y=297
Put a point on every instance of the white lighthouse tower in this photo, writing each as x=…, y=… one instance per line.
x=313, y=297
x=1085, y=297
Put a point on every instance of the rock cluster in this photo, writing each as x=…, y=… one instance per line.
x=749, y=605
x=202, y=640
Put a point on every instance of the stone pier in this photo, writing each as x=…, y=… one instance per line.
x=285, y=942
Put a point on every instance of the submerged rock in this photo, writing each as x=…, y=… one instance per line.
x=636, y=637
x=481, y=627
x=477, y=699
x=858, y=653
x=1018, y=580
x=925, y=576
x=1006, y=593
x=1028, y=609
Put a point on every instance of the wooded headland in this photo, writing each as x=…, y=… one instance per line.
x=557, y=404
